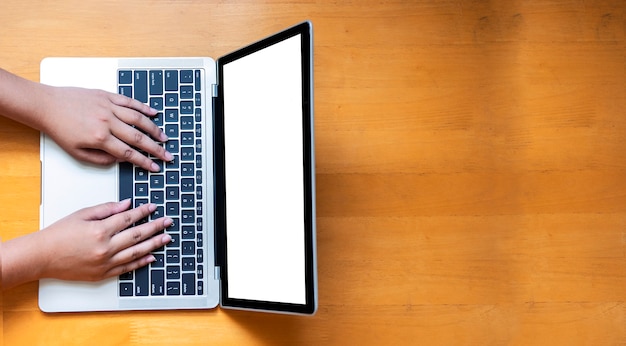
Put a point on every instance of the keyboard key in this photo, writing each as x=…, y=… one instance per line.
x=198, y=114
x=127, y=276
x=157, y=181
x=186, y=76
x=188, y=216
x=188, y=232
x=156, y=103
x=140, y=173
x=186, y=138
x=174, y=164
x=157, y=286
x=186, y=92
x=171, y=193
x=125, y=90
x=200, y=256
x=172, y=209
x=198, y=177
x=189, y=284
x=197, y=80
x=200, y=270
x=198, y=130
x=198, y=99
x=175, y=242
x=173, y=288
x=126, y=289
x=171, y=100
x=175, y=226
x=198, y=161
x=188, y=248
x=172, y=256
x=198, y=145
x=187, y=184
x=140, y=201
x=141, y=86
x=187, y=154
x=171, y=130
x=156, y=82
x=186, y=107
x=187, y=201
x=171, y=80
x=171, y=115
x=158, y=119
x=141, y=281
x=186, y=123
x=173, y=272
x=125, y=180
x=160, y=261
x=186, y=169
x=157, y=197
x=172, y=178
x=189, y=264
x=125, y=77
x=200, y=288
x=172, y=146
x=141, y=189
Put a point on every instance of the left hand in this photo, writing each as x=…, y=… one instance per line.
x=101, y=127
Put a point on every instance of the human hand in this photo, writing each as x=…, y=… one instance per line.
x=95, y=126
x=93, y=243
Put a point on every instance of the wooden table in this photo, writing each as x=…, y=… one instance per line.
x=471, y=167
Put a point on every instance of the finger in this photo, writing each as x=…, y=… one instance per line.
x=121, y=221
x=137, y=234
x=105, y=210
x=94, y=156
x=124, y=152
x=137, y=256
x=128, y=102
x=137, y=139
x=132, y=117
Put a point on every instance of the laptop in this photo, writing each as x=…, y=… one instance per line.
x=241, y=189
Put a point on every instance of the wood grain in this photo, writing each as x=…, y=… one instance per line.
x=470, y=167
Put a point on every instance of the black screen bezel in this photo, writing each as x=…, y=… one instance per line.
x=305, y=30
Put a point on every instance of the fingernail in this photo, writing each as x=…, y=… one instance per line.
x=124, y=201
x=168, y=222
x=164, y=137
x=154, y=167
x=166, y=238
x=152, y=207
x=169, y=156
x=151, y=259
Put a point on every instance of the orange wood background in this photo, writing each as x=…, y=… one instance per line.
x=471, y=167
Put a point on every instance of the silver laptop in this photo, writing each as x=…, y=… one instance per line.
x=241, y=189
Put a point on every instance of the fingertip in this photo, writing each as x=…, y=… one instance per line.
x=166, y=238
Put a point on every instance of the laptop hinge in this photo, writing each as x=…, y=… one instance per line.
x=213, y=90
x=217, y=273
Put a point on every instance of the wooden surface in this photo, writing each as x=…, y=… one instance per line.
x=471, y=167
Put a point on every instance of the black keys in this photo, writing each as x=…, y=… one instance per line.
x=157, y=286
x=171, y=80
x=141, y=281
x=176, y=189
x=156, y=82
x=140, y=80
x=186, y=76
x=189, y=283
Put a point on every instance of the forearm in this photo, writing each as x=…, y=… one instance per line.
x=21, y=260
x=23, y=100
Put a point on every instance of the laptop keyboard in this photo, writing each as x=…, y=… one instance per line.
x=177, y=189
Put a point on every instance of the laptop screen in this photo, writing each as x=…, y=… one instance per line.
x=266, y=166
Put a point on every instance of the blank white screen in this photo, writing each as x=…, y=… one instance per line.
x=264, y=174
